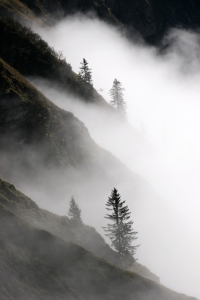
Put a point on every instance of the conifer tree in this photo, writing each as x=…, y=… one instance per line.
x=85, y=73
x=75, y=211
x=117, y=97
x=120, y=231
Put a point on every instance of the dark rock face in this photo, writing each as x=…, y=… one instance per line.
x=153, y=18
x=138, y=15
x=150, y=18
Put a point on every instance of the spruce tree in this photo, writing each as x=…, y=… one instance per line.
x=85, y=73
x=117, y=97
x=75, y=211
x=120, y=231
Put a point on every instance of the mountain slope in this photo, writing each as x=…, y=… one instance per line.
x=16, y=9
x=31, y=56
x=49, y=154
x=42, y=266
x=35, y=133
x=28, y=118
x=45, y=149
x=151, y=19
x=49, y=12
x=62, y=227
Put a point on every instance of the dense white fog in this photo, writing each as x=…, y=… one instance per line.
x=163, y=106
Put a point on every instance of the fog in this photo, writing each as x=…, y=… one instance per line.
x=162, y=95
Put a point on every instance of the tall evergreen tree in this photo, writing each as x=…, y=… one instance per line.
x=120, y=231
x=75, y=211
x=85, y=73
x=117, y=97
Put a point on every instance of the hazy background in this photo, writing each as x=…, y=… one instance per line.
x=162, y=95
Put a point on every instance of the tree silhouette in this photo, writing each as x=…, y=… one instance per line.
x=120, y=231
x=75, y=211
x=85, y=73
x=117, y=96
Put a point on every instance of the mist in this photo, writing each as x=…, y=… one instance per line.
x=162, y=95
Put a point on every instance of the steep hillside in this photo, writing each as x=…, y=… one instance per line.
x=61, y=226
x=15, y=9
x=42, y=266
x=151, y=19
x=144, y=272
x=29, y=119
x=31, y=56
x=49, y=153
x=49, y=12
x=35, y=133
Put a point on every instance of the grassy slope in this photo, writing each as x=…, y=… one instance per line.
x=53, y=10
x=31, y=56
x=62, y=227
x=47, y=9
x=27, y=118
x=16, y=9
x=34, y=132
x=144, y=272
x=42, y=266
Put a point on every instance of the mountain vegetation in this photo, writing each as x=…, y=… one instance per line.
x=31, y=56
x=35, y=135
x=117, y=97
x=85, y=72
x=43, y=255
x=85, y=78
x=61, y=226
x=120, y=231
x=41, y=265
x=38, y=122
x=75, y=212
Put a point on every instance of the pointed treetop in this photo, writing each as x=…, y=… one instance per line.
x=117, y=96
x=75, y=211
x=85, y=73
x=120, y=232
